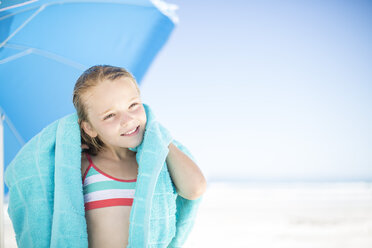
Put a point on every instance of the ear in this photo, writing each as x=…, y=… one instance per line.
x=88, y=129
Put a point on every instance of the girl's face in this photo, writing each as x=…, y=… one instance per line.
x=114, y=109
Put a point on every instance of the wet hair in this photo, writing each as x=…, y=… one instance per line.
x=86, y=82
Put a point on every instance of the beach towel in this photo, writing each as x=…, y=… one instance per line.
x=46, y=202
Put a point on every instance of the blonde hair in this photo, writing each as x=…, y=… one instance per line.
x=88, y=80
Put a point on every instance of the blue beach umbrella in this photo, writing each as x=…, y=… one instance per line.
x=45, y=45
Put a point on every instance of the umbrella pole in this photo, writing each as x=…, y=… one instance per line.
x=1, y=180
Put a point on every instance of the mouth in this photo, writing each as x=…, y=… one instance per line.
x=132, y=132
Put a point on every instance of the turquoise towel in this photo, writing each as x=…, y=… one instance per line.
x=46, y=203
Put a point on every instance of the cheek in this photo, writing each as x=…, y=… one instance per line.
x=108, y=128
x=143, y=116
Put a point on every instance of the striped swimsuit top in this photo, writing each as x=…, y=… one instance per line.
x=102, y=190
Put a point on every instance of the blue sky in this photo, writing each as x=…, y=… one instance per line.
x=269, y=90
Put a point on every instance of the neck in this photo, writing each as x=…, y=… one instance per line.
x=116, y=154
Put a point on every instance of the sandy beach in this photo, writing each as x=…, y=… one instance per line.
x=296, y=215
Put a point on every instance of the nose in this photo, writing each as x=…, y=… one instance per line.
x=125, y=119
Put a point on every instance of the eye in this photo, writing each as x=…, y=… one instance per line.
x=134, y=104
x=108, y=116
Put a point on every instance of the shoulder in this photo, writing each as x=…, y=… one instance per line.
x=84, y=163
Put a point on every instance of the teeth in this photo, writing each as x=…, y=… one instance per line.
x=131, y=131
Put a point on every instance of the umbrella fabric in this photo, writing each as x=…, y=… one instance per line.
x=46, y=45
x=46, y=202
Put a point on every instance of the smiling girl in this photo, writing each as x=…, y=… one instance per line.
x=113, y=119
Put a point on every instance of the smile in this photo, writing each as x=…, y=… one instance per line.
x=131, y=133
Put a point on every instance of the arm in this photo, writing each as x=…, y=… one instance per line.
x=186, y=175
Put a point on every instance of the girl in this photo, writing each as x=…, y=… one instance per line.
x=113, y=119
